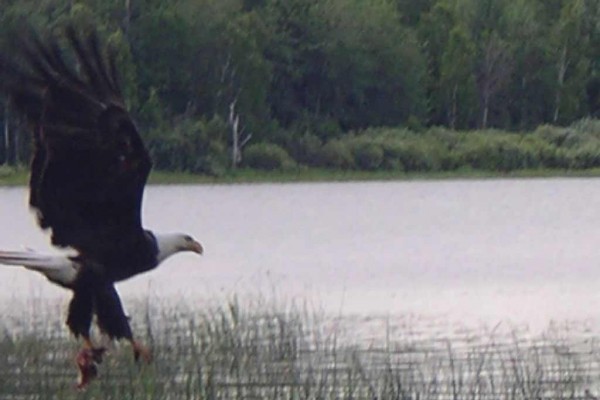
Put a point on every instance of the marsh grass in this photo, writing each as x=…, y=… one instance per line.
x=258, y=350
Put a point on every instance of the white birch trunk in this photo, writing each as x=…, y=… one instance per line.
x=563, y=64
x=234, y=123
x=6, y=134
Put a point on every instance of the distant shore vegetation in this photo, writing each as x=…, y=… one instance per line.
x=387, y=154
x=220, y=87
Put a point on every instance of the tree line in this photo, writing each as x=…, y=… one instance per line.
x=210, y=80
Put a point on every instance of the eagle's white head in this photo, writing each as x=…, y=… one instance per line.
x=171, y=243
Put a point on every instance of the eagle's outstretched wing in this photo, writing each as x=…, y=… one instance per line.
x=89, y=165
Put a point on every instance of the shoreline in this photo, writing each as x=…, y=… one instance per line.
x=19, y=177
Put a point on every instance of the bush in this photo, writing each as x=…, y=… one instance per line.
x=327, y=128
x=414, y=124
x=368, y=156
x=335, y=154
x=588, y=126
x=393, y=151
x=480, y=152
x=501, y=152
x=578, y=139
x=585, y=157
x=417, y=154
x=6, y=170
x=583, y=133
x=538, y=153
x=552, y=134
x=267, y=156
x=192, y=145
x=305, y=149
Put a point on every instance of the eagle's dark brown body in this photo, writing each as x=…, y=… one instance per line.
x=88, y=173
x=88, y=170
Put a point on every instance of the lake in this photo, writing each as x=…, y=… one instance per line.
x=520, y=251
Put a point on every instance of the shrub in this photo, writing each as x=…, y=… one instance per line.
x=327, y=128
x=6, y=170
x=588, y=126
x=305, y=149
x=445, y=136
x=211, y=147
x=192, y=145
x=267, y=156
x=414, y=124
x=393, y=151
x=579, y=139
x=497, y=152
x=335, y=154
x=585, y=157
x=558, y=158
x=418, y=154
x=388, y=133
x=551, y=134
x=165, y=150
x=368, y=156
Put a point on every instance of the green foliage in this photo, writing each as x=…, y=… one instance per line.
x=576, y=147
x=308, y=75
x=164, y=56
x=150, y=113
x=413, y=154
x=304, y=149
x=552, y=134
x=267, y=156
x=494, y=151
x=368, y=156
x=585, y=157
x=192, y=146
x=335, y=154
x=127, y=68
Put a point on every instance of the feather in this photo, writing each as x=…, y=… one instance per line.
x=59, y=269
x=90, y=165
x=88, y=173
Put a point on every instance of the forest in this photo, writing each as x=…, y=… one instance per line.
x=357, y=84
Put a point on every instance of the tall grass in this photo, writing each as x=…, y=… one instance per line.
x=262, y=351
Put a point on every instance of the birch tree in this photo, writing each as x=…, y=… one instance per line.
x=6, y=133
x=457, y=80
x=571, y=66
x=495, y=68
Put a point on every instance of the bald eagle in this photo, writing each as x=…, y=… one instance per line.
x=88, y=172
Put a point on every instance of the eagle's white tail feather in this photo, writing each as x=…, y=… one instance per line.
x=59, y=269
x=31, y=260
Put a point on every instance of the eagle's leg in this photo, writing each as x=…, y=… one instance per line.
x=87, y=361
x=113, y=322
x=96, y=352
x=139, y=350
x=79, y=321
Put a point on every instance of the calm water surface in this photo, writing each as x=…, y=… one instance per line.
x=523, y=251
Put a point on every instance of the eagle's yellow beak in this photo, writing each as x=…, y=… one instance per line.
x=196, y=247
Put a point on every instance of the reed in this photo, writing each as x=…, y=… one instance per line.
x=260, y=350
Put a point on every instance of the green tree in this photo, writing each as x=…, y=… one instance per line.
x=163, y=54
x=434, y=29
x=352, y=62
x=127, y=68
x=570, y=42
x=412, y=10
x=457, y=79
x=531, y=83
x=296, y=54
x=494, y=70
